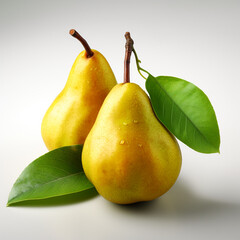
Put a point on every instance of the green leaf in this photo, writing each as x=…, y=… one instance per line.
x=186, y=111
x=58, y=172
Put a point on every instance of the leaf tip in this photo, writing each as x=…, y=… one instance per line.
x=9, y=202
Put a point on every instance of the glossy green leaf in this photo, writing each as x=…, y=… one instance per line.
x=186, y=111
x=58, y=172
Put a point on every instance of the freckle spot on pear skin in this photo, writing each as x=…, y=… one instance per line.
x=140, y=145
x=125, y=124
x=135, y=121
x=122, y=142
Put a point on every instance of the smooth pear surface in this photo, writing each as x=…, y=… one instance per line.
x=74, y=111
x=129, y=155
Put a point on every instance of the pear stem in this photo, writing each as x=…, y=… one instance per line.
x=75, y=34
x=128, y=52
x=138, y=65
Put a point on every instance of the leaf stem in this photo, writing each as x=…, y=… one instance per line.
x=128, y=52
x=138, y=66
x=75, y=34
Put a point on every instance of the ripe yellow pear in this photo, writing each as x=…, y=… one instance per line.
x=129, y=156
x=73, y=113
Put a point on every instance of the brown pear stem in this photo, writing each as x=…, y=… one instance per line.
x=75, y=34
x=128, y=52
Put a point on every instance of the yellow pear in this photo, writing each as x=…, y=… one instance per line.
x=73, y=113
x=129, y=156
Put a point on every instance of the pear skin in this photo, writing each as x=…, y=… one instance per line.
x=73, y=113
x=129, y=156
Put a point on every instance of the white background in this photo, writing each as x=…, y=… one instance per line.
x=198, y=41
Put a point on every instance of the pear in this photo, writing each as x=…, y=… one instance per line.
x=73, y=113
x=129, y=156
